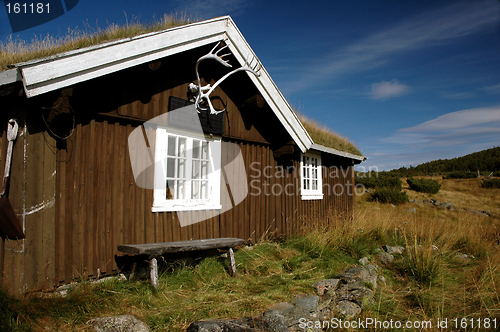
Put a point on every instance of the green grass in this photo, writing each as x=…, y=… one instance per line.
x=14, y=51
x=423, y=283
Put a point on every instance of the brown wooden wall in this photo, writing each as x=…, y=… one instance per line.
x=78, y=200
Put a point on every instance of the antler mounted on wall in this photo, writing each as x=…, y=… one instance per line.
x=203, y=92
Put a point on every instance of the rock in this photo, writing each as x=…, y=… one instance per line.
x=124, y=323
x=392, y=205
x=412, y=210
x=435, y=248
x=218, y=325
x=447, y=205
x=326, y=285
x=274, y=321
x=385, y=258
x=363, y=296
x=363, y=261
x=437, y=203
x=120, y=277
x=487, y=212
x=64, y=289
x=393, y=249
x=479, y=213
x=382, y=280
x=347, y=309
x=306, y=303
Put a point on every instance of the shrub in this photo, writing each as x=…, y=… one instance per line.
x=461, y=175
x=424, y=185
x=390, y=195
x=377, y=180
x=493, y=183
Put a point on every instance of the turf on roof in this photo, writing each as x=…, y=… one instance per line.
x=17, y=51
x=323, y=135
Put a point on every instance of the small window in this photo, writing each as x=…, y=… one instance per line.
x=187, y=173
x=311, y=186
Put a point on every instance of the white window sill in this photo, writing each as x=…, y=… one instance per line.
x=305, y=197
x=175, y=208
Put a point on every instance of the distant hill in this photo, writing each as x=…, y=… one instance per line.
x=484, y=161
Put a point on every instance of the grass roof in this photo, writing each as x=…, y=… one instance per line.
x=14, y=51
x=323, y=135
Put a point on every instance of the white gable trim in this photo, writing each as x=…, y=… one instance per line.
x=62, y=70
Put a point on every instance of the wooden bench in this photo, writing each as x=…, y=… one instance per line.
x=154, y=250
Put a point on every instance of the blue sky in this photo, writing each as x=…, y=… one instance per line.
x=407, y=81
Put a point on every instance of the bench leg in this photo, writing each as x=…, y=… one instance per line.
x=153, y=272
x=232, y=264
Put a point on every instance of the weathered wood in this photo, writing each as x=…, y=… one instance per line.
x=232, y=264
x=254, y=101
x=158, y=249
x=153, y=272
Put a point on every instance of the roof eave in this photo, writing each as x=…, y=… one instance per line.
x=355, y=158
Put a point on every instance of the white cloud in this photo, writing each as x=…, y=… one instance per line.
x=492, y=88
x=384, y=90
x=447, y=136
x=429, y=29
x=458, y=120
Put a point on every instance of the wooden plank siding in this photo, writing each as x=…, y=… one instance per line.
x=78, y=198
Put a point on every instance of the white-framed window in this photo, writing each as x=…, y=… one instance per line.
x=187, y=171
x=310, y=176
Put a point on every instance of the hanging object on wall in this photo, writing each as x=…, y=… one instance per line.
x=203, y=92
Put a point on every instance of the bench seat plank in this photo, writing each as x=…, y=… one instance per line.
x=158, y=249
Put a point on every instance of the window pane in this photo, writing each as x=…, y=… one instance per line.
x=170, y=189
x=171, y=146
x=314, y=185
x=204, y=151
x=204, y=169
x=195, y=190
x=170, y=167
x=181, y=152
x=181, y=190
x=181, y=168
x=204, y=189
x=196, y=148
x=306, y=184
x=196, y=170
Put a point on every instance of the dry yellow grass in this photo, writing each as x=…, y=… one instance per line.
x=14, y=51
x=323, y=135
x=463, y=193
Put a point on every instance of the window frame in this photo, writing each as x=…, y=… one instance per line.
x=307, y=193
x=212, y=202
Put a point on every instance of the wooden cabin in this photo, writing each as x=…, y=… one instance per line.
x=72, y=186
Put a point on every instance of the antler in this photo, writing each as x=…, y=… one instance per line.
x=202, y=95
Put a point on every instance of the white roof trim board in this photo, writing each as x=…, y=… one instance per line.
x=55, y=72
x=322, y=148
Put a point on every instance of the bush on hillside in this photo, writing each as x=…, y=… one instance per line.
x=493, y=183
x=424, y=185
x=461, y=175
x=389, y=195
x=376, y=180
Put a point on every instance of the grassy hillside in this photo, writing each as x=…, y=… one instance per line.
x=426, y=283
x=485, y=161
